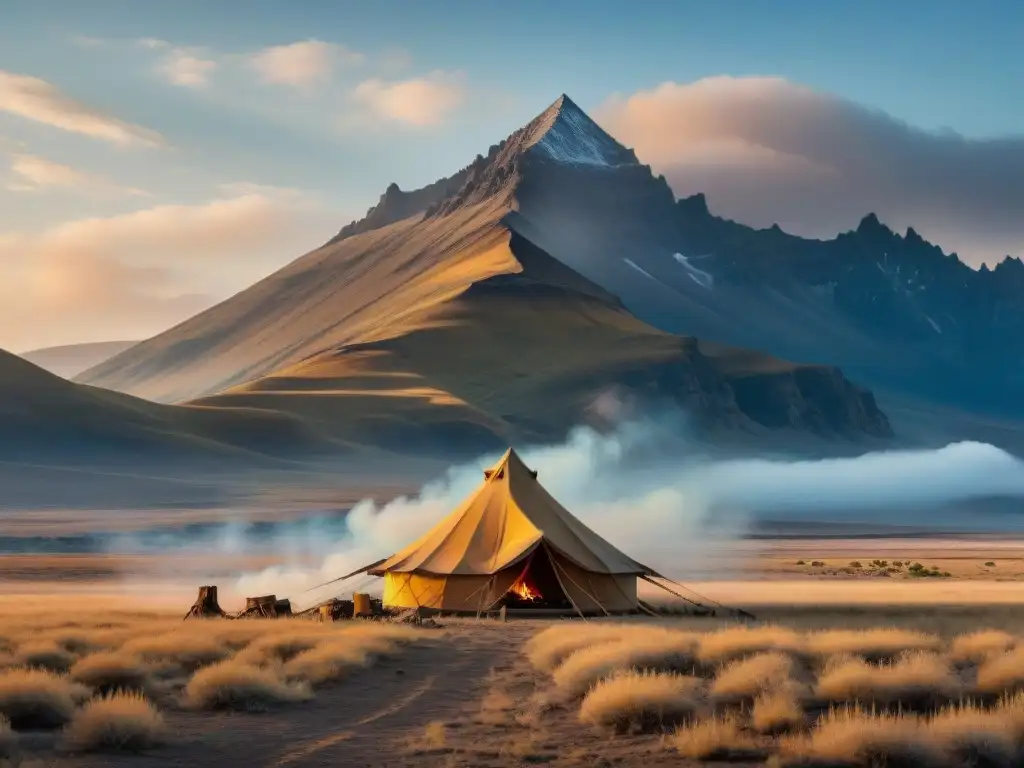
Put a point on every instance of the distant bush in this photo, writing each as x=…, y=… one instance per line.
x=856, y=564
x=800, y=562
x=818, y=564
x=990, y=564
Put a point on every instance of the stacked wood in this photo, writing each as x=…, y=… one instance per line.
x=264, y=607
x=206, y=605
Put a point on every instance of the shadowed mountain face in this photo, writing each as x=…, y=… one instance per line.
x=71, y=360
x=501, y=301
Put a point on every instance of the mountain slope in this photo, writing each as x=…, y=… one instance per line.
x=443, y=315
x=70, y=360
x=45, y=417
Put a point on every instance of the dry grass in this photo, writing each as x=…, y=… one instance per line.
x=872, y=644
x=112, y=671
x=278, y=648
x=663, y=651
x=120, y=721
x=778, y=711
x=855, y=737
x=548, y=649
x=737, y=642
x=189, y=651
x=235, y=685
x=641, y=701
x=971, y=736
x=32, y=699
x=45, y=654
x=719, y=738
x=976, y=647
x=916, y=680
x=334, y=659
x=8, y=739
x=1003, y=673
x=744, y=679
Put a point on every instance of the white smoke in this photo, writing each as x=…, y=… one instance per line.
x=667, y=506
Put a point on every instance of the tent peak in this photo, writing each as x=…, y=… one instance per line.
x=509, y=462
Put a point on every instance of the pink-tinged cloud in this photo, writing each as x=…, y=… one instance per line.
x=766, y=151
x=186, y=69
x=141, y=272
x=36, y=99
x=418, y=102
x=302, y=64
x=31, y=173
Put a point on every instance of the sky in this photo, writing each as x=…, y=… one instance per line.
x=158, y=157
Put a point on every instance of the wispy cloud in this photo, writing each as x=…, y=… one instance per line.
x=34, y=174
x=187, y=69
x=302, y=64
x=419, y=102
x=35, y=99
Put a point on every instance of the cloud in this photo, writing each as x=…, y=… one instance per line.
x=766, y=151
x=302, y=64
x=33, y=174
x=140, y=272
x=187, y=70
x=420, y=102
x=36, y=99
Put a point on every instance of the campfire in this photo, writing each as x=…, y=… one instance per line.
x=524, y=591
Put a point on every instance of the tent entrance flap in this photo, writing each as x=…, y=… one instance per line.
x=537, y=586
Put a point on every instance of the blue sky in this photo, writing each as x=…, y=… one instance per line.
x=192, y=112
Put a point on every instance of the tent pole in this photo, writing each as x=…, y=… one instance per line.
x=554, y=568
x=581, y=589
x=738, y=611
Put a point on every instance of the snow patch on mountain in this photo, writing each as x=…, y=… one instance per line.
x=641, y=270
x=699, y=276
x=565, y=134
x=933, y=324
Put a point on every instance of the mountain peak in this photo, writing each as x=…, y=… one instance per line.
x=566, y=134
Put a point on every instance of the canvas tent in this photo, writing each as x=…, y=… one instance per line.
x=511, y=543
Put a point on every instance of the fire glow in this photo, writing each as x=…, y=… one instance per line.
x=523, y=591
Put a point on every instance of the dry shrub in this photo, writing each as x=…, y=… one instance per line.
x=32, y=699
x=736, y=642
x=108, y=672
x=872, y=644
x=743, y=679
x=235, y=685
x=664, y=652
x=855, y=737
x=916, y=680
x=777, y=711
x=972, y=736
x=975, y=647
x=119, y=721
x=1003, y=673
x=189, y=651
x=641, y=701
x=45, y=655
x=718, y=738
x=548, y=649
x=332, y=660
x=8, y=739
x=276, y=648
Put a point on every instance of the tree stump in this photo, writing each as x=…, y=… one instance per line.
x=206, y=605
x=260, y=607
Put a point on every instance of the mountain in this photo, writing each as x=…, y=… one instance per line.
x=456, y=313
x=46, y=418
x=71, y=360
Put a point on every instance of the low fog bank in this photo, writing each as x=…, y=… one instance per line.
x=667, y=505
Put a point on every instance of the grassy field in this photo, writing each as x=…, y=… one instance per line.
x=88, y=680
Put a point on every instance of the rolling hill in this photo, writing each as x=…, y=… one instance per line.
x=449, y=316
x=70, y=360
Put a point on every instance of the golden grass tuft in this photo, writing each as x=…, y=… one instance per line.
x=236, y=685
x=277, y=648
x=777, y=711
x=972, y=736
x=8, y=739
x=736, y=642
x=548, y=649
x=35, y=699
x=189, y=651
x=856, y=737
x=976, y=647
x=334, y=659
x=1002, y=673
x=120, y=721
x=111, y=671
x=45, y=655
x=743, y=679
x=663, y=651
x=872, y=644
x=641, y=701
x=918, y=679
x=718, y=738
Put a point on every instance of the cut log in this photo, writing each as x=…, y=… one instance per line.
x=206, y=605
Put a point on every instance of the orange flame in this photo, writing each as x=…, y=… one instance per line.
x=524, y=592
